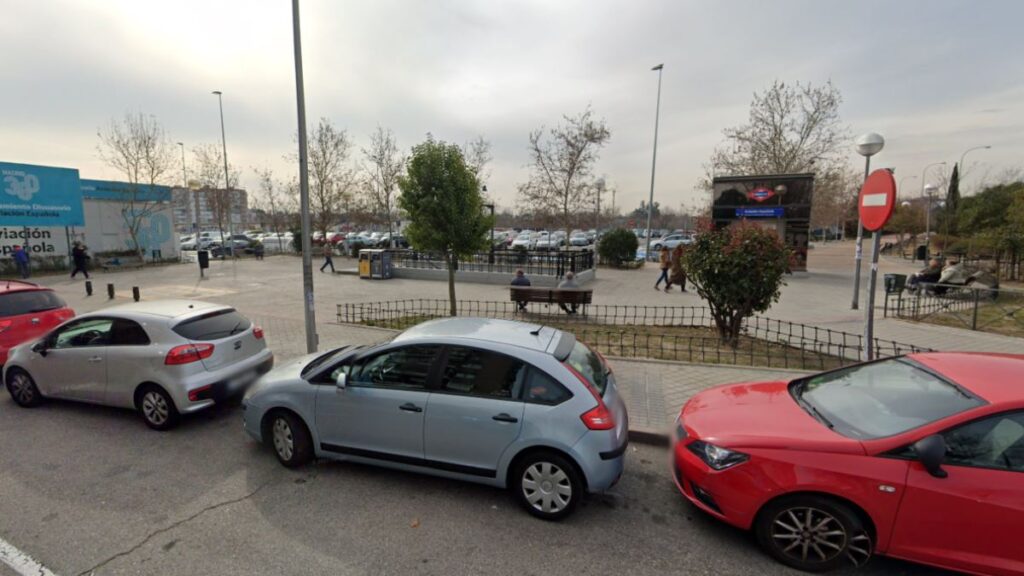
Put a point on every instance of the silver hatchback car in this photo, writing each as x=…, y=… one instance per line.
x=503, y=403
x=162, y=358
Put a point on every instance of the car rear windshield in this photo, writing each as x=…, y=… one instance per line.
x=213, y=325
x=589, y=365
x=28, y=302
x=881, y=399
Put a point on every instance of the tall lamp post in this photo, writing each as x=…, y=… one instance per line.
x=654, y=161
x=227, y=178
x=307, y=244
x=867, y=146
x=599, y=186
x=964, y=155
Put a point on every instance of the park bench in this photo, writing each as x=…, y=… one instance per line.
x=567, y=296
x=121, y=263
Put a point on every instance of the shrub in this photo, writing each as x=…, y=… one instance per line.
x=738, y=271
x=618, y=247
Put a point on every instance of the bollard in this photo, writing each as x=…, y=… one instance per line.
x=88, y=287
x=135, y=293
x=110, y=291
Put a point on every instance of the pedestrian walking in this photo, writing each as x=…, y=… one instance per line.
x=79, y=256
x=257, y=249
x=328, y=255
x=678, y=271
x=21, y=260
x=520, y=279
x=664, y=261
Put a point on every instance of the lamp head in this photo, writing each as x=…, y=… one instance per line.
x=930, y=189
x=870, y=144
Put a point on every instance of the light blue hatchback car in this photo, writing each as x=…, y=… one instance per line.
x=503, y=403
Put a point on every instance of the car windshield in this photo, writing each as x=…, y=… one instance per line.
x=880, y=399
x=213, y=325
x=28, y=302
x=328, y=358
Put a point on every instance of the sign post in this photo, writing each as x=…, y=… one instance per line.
x=876, y=203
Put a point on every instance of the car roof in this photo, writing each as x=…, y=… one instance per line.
x=19, y=286
x=490, y=330
x=164, y=308
x=997, y=378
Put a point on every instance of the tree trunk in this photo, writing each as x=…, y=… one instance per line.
x=451, y=283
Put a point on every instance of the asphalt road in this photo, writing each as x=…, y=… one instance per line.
x=86, y=490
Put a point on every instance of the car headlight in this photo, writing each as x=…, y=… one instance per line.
x=717, y=457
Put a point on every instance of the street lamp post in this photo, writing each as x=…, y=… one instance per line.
x=227, y=179
x=867, y=146
x=599, y=185
x=307, y=244
x=654, y=161
x=964, y=155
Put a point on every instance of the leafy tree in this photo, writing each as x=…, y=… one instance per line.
x=738, y=271
x=138, y=148
x=618, y=246
x=441, y=195
x=562, y=179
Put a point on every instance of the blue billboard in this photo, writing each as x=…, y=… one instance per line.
x=122, y=191
x=39, y=196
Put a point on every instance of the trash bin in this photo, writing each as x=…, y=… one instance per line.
x=375, y=264
x=894, y=283
x=920, y=253
x=204, y=258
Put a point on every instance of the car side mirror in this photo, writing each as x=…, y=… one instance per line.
x=931, y=451
x=40, y=347
x=341, y=380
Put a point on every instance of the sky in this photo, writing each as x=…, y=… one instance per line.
x=934, y=77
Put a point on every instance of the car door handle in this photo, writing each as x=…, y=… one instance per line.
x=34, y=320
x=503, y=417
x=95, y=359
x=410, y=407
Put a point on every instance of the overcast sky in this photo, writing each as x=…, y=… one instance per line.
x=933, y=76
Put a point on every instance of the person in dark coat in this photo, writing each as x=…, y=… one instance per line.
x=328, y=257
x=570, y=283
x=21, y=261
x=520, y=279
x=79, y=255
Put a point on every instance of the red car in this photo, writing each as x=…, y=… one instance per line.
x=919, y=457
x=27, y=311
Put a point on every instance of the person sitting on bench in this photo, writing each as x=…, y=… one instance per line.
x=521, y=280
x=569, y=282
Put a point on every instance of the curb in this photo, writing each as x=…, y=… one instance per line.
x=647, y=436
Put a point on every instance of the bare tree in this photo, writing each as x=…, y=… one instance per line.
x=561, y=177
x=137, y=147
x=835, y=198
x=271, y=198
x=386, y=165
x=477, y=153
x=208, y=167
x=331, y=178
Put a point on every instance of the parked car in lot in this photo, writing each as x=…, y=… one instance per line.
x=670, y=242
x=919, y=457
x=579, y=239
x=492, y=401
x=162, y=359
x=27, y=311
x=523, y=240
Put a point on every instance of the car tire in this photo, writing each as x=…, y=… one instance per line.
x=290, y=439
x=547, y=485
x=22, y=388
x=814, y=533
x=156, y=407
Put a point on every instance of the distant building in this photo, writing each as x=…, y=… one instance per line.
x=185, y=201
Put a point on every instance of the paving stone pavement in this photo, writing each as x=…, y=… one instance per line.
x=270, y=293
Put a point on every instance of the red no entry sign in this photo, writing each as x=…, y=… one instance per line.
x=877, y=200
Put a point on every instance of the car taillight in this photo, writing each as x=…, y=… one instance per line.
x=258, y=333
x=5, y=325
x=599, y=417
x=188, y=353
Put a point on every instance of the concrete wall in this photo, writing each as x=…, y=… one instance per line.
x=495, y=278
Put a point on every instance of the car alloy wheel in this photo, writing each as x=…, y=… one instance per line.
x=22, y=389
x=547, y=487
x=155, y=409
x=809, y=535
x=284, y=443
